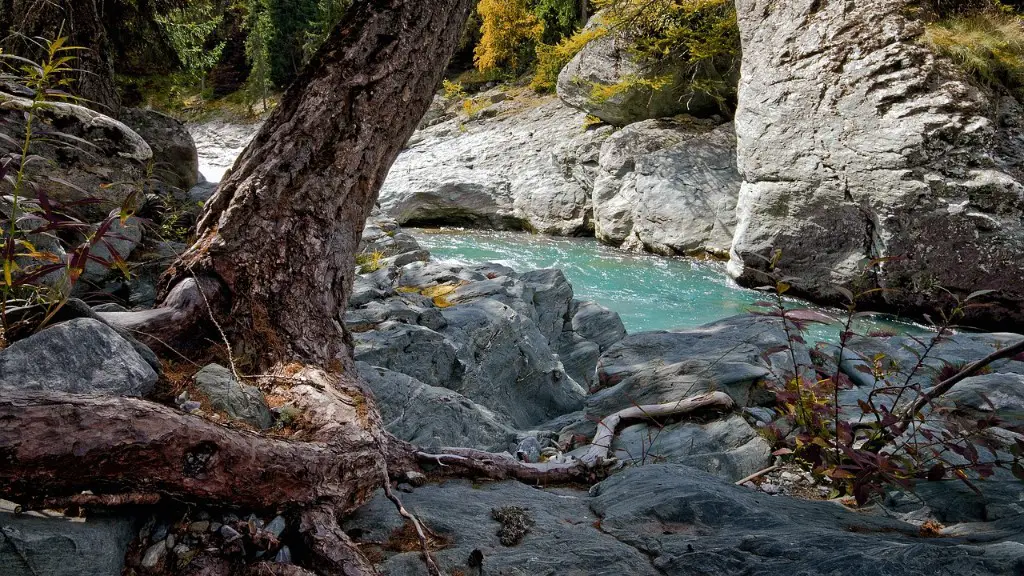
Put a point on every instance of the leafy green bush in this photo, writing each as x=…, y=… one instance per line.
x=552, y=58
x=692, y=41
x=45, y=248
x=988, y=45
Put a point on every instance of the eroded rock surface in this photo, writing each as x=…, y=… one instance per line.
x=856, y=142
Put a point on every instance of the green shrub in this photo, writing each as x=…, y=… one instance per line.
x=691, y=41
x=552, y=58
x=988, y=45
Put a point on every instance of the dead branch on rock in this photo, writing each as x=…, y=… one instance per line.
x=477, y=463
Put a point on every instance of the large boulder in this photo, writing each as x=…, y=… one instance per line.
x=669, y=519
x=175, y=159
x=693, y=524
x=668, y=186
x=726, y=447
x=32, y=546
x=856, y=143
x=502, y=172
x=433, y=416
x=728, y=355
x=564, y=537
x=509, y=366
x=80, y=356
x=606, y=79
x=88, y=155
x=413, y=350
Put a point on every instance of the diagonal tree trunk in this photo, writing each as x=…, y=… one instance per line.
x=277, y=249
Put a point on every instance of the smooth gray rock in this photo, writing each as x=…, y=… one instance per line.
x=608, y=61
x=565, y=538
x=550, y=294
x=32, y=546
x=727, y=447
x=691, y=523
x=424, y=274
x=412, y=350
x=115, y=153
x=674, y=519
x=668, y=186
x=597, y=324
x=856, y=142
x=423, y=415
x=998, y=395
x=175, y=159
x=579, y=357
x=502, y=172
x=509, y=366
x=120, y=239
x=897, y=357
x=239, y=401
x=731, y=350
x=80, y=356
x=659, y=383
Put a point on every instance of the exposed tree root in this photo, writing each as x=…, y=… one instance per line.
x=52, y=447
x=333, y=552
x=103, y=500
x=185, y=306
x=428, y=558
x=274, y=569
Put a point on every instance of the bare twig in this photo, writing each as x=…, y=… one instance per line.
x=757, y=474
x=428, y=558
x=907, y=416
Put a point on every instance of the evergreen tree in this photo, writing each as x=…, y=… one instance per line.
x=257, y=49
x=189, y=31
x=329, y=13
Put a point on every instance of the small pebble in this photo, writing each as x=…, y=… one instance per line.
x=199, y=527
x=276, y=526
x=417, y=479
x=190, y=406
x=529, y=450
x=154, y=554
x=769, y=488
x=181, y=550
x=170, y=541
x=160, y=532
x=284, y=556
x=215, y=527
x=229, y=534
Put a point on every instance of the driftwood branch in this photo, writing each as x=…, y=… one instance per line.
x=468, y=461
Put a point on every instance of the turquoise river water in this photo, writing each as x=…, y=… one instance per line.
x=649, y=292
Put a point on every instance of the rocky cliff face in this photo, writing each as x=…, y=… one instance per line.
x=667, y=186
x=856, y=143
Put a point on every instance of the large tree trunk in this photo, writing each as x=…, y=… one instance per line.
x=274, y=264
x=81, y=21
x=282, y=231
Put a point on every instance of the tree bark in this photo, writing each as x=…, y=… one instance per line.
x=81, y=21
x=277, y=245
x=282, y=230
